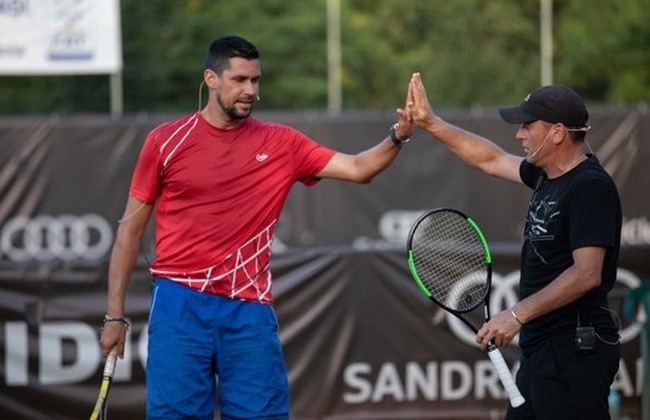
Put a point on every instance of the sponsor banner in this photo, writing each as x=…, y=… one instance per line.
x=360, y=340
x=60, y=37
x=47, y=238
x=78, y=166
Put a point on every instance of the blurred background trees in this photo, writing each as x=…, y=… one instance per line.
x=471, y=53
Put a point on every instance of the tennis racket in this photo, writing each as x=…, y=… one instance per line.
x=99, y=412
x=451, y=263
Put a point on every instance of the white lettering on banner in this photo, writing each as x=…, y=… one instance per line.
x=65, y=237
x=16, y=354
x=635, y=231
x=421, y=381
x=53, y=338
x=447, y=381
x=353, y=376
x=462, y=372
x=57, y=341
x=487, y=379
x=394, y=227
x=388, y=384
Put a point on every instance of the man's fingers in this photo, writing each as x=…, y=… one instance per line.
x=404, y=114
x=419, y=93
x=409, y=94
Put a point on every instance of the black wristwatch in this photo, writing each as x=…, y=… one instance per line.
x=393, y=136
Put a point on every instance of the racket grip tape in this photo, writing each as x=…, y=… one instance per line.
x=516, y=399
x=109, y=366
x=107, y=378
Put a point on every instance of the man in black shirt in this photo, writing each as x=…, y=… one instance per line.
x=569, y=341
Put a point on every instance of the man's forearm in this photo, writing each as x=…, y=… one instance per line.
x=123, y=259
x=473, y=149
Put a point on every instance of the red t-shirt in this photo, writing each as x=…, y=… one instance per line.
x=219, y=196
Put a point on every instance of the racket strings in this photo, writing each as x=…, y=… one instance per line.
x=450, y=258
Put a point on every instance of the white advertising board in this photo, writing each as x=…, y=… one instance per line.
x=54, y=37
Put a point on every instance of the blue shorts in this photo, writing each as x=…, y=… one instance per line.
x=195, y=338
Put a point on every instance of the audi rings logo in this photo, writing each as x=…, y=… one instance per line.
x=48, y=238
x=504, y=294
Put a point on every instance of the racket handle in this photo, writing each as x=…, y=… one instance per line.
x=516, y=399
x=107, y=377
x=109, y=366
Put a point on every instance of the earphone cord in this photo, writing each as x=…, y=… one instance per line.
x=618, y=320
x=201, y=94
x=125, y=218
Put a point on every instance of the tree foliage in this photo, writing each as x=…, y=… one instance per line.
x=470, y=53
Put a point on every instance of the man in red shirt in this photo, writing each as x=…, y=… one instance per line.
x=220, y=179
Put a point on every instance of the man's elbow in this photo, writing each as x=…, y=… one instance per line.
x=592, y=279
x=359, y=176
x=365, y=179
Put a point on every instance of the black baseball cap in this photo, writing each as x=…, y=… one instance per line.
x=552, y=104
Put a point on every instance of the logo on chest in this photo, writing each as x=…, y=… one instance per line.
x=543, y=215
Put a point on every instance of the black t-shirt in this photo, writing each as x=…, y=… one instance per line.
x=578, y=209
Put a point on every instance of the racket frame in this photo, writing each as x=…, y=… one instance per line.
x=488, y=266
x=515, y=397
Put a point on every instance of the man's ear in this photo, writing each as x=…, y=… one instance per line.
x=211, y=79
x=559, y=134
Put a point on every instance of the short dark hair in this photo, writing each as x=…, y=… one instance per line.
x=578, y=136
x=223, y=49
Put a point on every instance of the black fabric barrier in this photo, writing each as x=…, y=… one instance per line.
x=82, y=166
x=360, y=339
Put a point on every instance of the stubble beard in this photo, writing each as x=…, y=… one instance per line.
x=231, y=111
